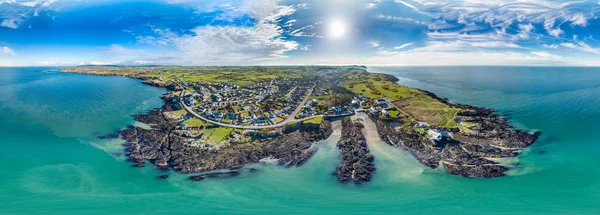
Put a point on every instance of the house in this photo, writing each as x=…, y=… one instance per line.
x=246, y=119
x=218, y=115
x=260, y=121
x=231, y=116
x=420, y=124
x=373, y=110
x=354, y=103
x=458, y=121
x=434, y=134
x=382, y=103
x=191, y=101
x=385, y=112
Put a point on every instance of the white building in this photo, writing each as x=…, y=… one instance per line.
x=420, y=124
x=435, y=135
x=385, y=112
x=374, y=110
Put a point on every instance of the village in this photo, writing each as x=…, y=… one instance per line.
x=265, y=104
x=272, y=104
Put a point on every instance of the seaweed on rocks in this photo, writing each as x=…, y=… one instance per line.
x=357, y=162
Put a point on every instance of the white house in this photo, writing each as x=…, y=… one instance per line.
x=374, y=110
x=435, y=135
x=385, y=112
x=420, y=124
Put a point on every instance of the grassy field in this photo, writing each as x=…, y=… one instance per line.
x=278, y=119
x=195, y=122
x=316, y=120
x=427, y=109
x=412, y=101
x=217, y=135
x=242, y=76
x=394, y=113
x=374, y=85
x=181, y=112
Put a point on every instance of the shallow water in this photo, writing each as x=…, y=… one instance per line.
x=52, y=163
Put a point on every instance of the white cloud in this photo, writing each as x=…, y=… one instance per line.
x=6, y=50
x=304, y=31
x=231, y=43
x=462, y=45
x=99, y=63
x=502, y=14
x=437, y=58
x=236, y=44
x=581, y=46
x=403, y=46
x=399, y=19
x=525, y=30
x=579, y=19
x=546, y=55
x=120, y=50
x=41, y=3
x=10, y=23
x=374, y=44
x=7, y=1
x=370, y=5
x=14, y=13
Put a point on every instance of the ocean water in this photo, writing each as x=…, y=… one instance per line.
x=51, y=161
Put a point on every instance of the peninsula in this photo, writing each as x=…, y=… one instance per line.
x=222, y=118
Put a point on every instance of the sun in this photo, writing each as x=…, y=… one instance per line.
x=337, y=28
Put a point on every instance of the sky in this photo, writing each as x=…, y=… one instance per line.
x=291, y=32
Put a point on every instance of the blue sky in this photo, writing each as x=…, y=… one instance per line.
x=271, y=32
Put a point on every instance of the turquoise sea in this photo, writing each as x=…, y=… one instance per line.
x=51, y=161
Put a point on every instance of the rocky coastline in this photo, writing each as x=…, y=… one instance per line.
x=469, y=154
x=472, y=153
x=163, y=147
x=356, y=161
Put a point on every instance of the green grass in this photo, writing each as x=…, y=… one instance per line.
x=228, y=121
x=195, y=122
x=217, y=135
x=181, y=112
x=378, y=89
x=394, y=113
x=278, y=120
x=412, y=101
x=425, y=108
x=374, y=85
x=316, y=120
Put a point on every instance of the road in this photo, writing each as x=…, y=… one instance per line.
x=290, y=118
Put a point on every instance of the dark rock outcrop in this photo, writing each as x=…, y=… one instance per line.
x=357, y=162
x=166, y=149
x=467, y=153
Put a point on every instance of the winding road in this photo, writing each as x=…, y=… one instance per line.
x=290, y=118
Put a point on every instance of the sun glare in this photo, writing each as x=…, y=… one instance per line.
x=337, y=29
